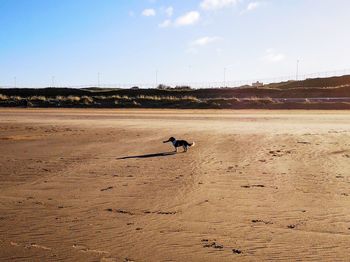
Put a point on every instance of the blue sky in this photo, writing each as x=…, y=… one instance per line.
x=127, y=41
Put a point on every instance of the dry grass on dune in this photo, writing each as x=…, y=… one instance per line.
x=3, y=97
x=164, y=101
x=95, y=100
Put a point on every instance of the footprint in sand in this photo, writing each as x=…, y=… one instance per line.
x=82, y=248
x=211, y=244
x=120, y=211
x=279, y=153
x=304, y=142
x=34, y=245
x=107, y=188
x=236, y=251
x=249, y=186
x=261, y=221
x=166, y=213
x=160, y=212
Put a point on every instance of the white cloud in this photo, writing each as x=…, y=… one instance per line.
x=149, y=12
x=165, y=23
x=194, y=46
x=253, y=5
x=272, y=56
x=217, y=4
x=205, y=40
x=189, y=18
x=169, y=11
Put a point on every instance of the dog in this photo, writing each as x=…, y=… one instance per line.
x=179, y=143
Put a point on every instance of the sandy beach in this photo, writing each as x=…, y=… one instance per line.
x=99, y=185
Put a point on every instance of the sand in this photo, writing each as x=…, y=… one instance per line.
x=99, y=185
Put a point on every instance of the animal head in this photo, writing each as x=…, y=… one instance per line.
x=171, y=139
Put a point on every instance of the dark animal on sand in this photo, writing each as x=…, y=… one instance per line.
x=179, y=143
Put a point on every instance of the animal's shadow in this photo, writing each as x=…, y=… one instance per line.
x=149, y=155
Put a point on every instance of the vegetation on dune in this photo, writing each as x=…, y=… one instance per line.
x=327, y=82
x=185, y=102
x=127, y=101
x=3, y=97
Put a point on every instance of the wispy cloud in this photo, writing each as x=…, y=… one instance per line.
x=195, y=46
x=217, y=4
x=169, y=11
x=253, y=5
x=165, y=23
x=272, y=56
x=203, y=41
x=149, y=12
x=189, y=18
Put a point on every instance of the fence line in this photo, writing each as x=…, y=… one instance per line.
x=236, y=83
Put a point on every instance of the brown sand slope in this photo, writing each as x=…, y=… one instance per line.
x=98, y=185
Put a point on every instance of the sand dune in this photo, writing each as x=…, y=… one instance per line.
x=99, y=185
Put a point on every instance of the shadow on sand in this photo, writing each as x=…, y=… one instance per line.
x=149, y=155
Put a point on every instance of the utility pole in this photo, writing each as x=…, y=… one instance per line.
x=297, y=75
x=224, y=76
x=98, y=79
x=156, y=78
x=53, y=81
x=15, y=81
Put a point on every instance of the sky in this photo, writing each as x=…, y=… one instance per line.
x=83, y=42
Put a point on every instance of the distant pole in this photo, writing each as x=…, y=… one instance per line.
x=297, y=75
x=156, y=78
x=53, y=81
x=15, y=81
x=189, y=70
x=98, y=79
x=224, y=76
